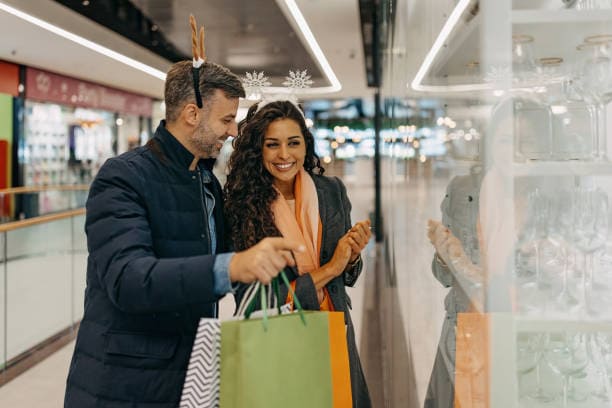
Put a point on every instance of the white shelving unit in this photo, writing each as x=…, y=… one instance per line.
x=562, y=168
x=556, y=33
x=552, y=324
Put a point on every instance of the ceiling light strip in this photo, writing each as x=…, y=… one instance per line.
x=84, y=42
x=316, y=50
x=447, y=29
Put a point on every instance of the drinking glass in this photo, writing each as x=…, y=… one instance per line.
x=540, y=345
x=527, y=356
x=590, y=235
x=595, y=79
x=523, y=63
x=561, y=226
x=597, y=358
x=567, y=355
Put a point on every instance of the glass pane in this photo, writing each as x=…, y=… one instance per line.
x=2, y=299
x=38, y=284
x=79, y=266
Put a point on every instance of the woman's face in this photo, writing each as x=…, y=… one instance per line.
x=284, y=151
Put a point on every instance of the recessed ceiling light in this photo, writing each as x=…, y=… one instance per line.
x=438, y=45
x=299, y=19
x=86, y=2
x=84, y=42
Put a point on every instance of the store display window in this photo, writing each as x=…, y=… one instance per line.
x=64, y=145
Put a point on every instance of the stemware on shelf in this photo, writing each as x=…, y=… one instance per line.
x=594, y=77
x=574, y=121
x=590, y=235
x=523, y=62
x=566, y=354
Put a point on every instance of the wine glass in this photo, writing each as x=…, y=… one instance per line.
x=561, y=225
x=567, y=355
x=527, y=356
x=540, y=345
x=597, y=358
x=590, y=235
x=541, y=210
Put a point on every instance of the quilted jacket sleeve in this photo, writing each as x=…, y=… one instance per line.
x=120, y=245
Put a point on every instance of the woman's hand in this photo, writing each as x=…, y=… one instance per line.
x=341, y=256
x=442, y=239
x=334, y=267
x=358, y=237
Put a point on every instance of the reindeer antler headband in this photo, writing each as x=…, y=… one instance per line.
x=199, y=56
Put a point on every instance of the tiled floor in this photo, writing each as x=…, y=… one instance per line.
x=419, y=297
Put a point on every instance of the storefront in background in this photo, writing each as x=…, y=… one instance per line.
x=9, y=88
x=72, y=127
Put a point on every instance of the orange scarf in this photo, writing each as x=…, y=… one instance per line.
x=303, y=225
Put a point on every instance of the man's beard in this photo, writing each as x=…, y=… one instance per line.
x=205, y=141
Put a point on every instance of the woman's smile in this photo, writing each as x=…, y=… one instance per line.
x=284, y=166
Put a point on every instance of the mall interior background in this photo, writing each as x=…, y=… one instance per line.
x=407, y=95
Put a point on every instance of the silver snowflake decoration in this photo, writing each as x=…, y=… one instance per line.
x=255, y=80
x=298, y=80
x=254, y=84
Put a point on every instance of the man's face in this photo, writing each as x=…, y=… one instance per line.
x=217, y=124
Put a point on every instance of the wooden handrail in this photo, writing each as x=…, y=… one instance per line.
x=10, y=226
x=38, y=189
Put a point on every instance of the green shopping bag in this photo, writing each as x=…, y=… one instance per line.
x=280, y=361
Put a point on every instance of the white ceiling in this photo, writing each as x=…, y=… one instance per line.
x=334, y=23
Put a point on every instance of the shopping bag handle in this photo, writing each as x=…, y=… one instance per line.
x=264, y=301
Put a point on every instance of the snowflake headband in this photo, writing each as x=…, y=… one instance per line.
x=258, y=87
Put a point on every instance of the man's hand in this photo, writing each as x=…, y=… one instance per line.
x=263, y=261
x=358, y=237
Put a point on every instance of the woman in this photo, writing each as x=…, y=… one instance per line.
x=459, y=219
x=275, y=187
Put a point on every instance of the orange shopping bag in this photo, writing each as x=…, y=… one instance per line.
x=338, y=350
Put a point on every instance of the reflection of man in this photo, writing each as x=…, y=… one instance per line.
x=154, y=224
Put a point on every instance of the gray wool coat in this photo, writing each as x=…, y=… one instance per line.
x=335, y=213
x=459, y=214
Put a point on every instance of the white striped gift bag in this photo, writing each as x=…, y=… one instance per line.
x=203, y=379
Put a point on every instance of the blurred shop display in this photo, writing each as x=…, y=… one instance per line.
x=72, y=127
x=64, y=145
x=350, y=134
x=9, y=88
x=60, y=130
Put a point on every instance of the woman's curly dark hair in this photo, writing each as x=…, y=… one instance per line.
x=248, y=192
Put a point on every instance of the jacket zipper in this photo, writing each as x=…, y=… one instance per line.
x=204, y=211
x=206, y=227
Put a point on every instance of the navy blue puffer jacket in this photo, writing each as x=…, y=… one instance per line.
x=149, y=278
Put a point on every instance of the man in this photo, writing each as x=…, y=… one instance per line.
x=154, y=224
